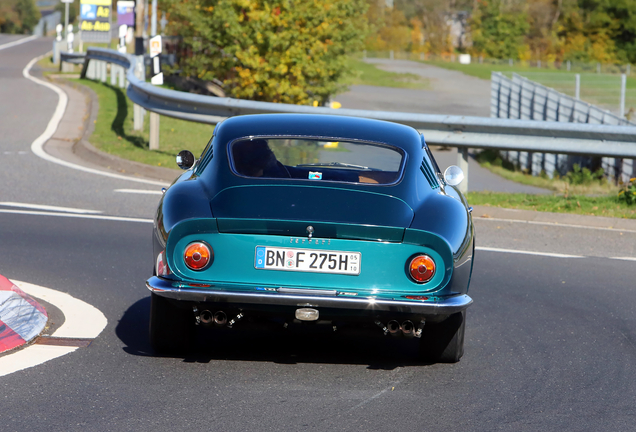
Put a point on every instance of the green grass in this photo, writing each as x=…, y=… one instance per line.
x=369, y=74
x=575, y=204
x=596, y=197
x=114, y=132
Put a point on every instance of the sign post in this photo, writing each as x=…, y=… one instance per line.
x=155, y=48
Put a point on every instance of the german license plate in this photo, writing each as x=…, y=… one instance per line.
x=307, y=260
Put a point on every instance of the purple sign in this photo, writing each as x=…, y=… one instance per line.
x=126, y=13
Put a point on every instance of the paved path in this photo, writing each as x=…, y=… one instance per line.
x=451, y=92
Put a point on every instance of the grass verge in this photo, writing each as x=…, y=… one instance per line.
x=114, y=132
x=368, y=74
x=575, y=204
x=492, y=161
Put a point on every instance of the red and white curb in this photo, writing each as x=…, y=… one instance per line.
x=81, y=322
x=21, y=317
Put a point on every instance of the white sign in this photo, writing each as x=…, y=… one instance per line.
x=157, y=79
x=155, y=46
x=464, y=58
x=123, y=29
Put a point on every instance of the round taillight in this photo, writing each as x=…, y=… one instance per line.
x=197, y=256
x=422, y=268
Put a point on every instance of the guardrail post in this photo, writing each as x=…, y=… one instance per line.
x=462, y=162
x=153, y=143
x=103, y=71
x=113, y=74
x=623, y=86
x=138, y=114
x=121, y=74
x=577, y=86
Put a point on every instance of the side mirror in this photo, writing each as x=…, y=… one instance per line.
x=185, y=159
x=453, y=175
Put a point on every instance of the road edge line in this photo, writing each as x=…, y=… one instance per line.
x=37, y=146
x=18, y=42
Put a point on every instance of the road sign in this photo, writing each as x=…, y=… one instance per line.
x=155, y=48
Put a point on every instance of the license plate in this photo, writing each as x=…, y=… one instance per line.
x=307, y=260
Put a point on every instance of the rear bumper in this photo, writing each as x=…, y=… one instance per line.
x=434, y=306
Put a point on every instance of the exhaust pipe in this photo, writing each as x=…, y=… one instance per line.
x=206, y=317
x=408, y=329
x=220, y=318
x=393, y=326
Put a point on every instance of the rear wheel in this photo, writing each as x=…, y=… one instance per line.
x=444, y=342
x=172, y=329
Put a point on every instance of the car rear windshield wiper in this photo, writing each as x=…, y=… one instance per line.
x=339, y=164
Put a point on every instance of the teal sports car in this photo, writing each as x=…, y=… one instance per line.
x=314, y=219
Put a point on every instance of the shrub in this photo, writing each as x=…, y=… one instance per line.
x=627, y=194
x=584, y=176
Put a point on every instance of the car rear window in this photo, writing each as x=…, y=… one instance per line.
x=317, y=160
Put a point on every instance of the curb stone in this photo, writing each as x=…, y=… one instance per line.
x=84, y=150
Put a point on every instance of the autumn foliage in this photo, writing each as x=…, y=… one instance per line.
x=550, y=30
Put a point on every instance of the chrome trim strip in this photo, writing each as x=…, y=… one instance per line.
x=215, y=294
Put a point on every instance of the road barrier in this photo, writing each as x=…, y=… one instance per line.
x=521, y=98
x=462, y=132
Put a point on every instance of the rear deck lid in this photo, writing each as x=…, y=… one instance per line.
x=333, y=212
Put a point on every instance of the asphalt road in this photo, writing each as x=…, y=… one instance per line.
x=550, y=342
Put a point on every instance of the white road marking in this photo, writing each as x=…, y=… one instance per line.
x=37, y=146
x=514, y=251
x=81, y=320
x=18, y=42
x=624, y=258
x=554, y=224
x=47, y=207
x=77, y=215
x=139, y=191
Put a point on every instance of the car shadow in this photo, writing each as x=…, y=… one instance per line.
x=271, y=342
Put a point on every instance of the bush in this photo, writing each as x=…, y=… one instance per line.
x=627, y=194
x=288, y=52
x=584, y=176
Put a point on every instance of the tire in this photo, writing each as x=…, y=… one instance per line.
x=172, y=329
x=444, y=342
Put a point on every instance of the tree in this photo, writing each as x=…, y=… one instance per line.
x=18, y=16
x=289, y=51
x=72, y=11
x=499, y=30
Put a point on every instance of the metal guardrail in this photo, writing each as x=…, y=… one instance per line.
x=521, y=98
x=446, y=130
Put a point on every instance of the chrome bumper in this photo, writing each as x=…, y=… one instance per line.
x=220, y=294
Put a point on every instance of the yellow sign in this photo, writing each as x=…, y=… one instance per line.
x=103, y=12
x=97, y=2
x=95, y=26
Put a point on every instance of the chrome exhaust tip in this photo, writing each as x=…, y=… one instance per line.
x=206, y=317
x=408, y=329
x=220, y=318
x=393, y=326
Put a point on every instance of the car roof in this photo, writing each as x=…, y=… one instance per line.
x=315, y=125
